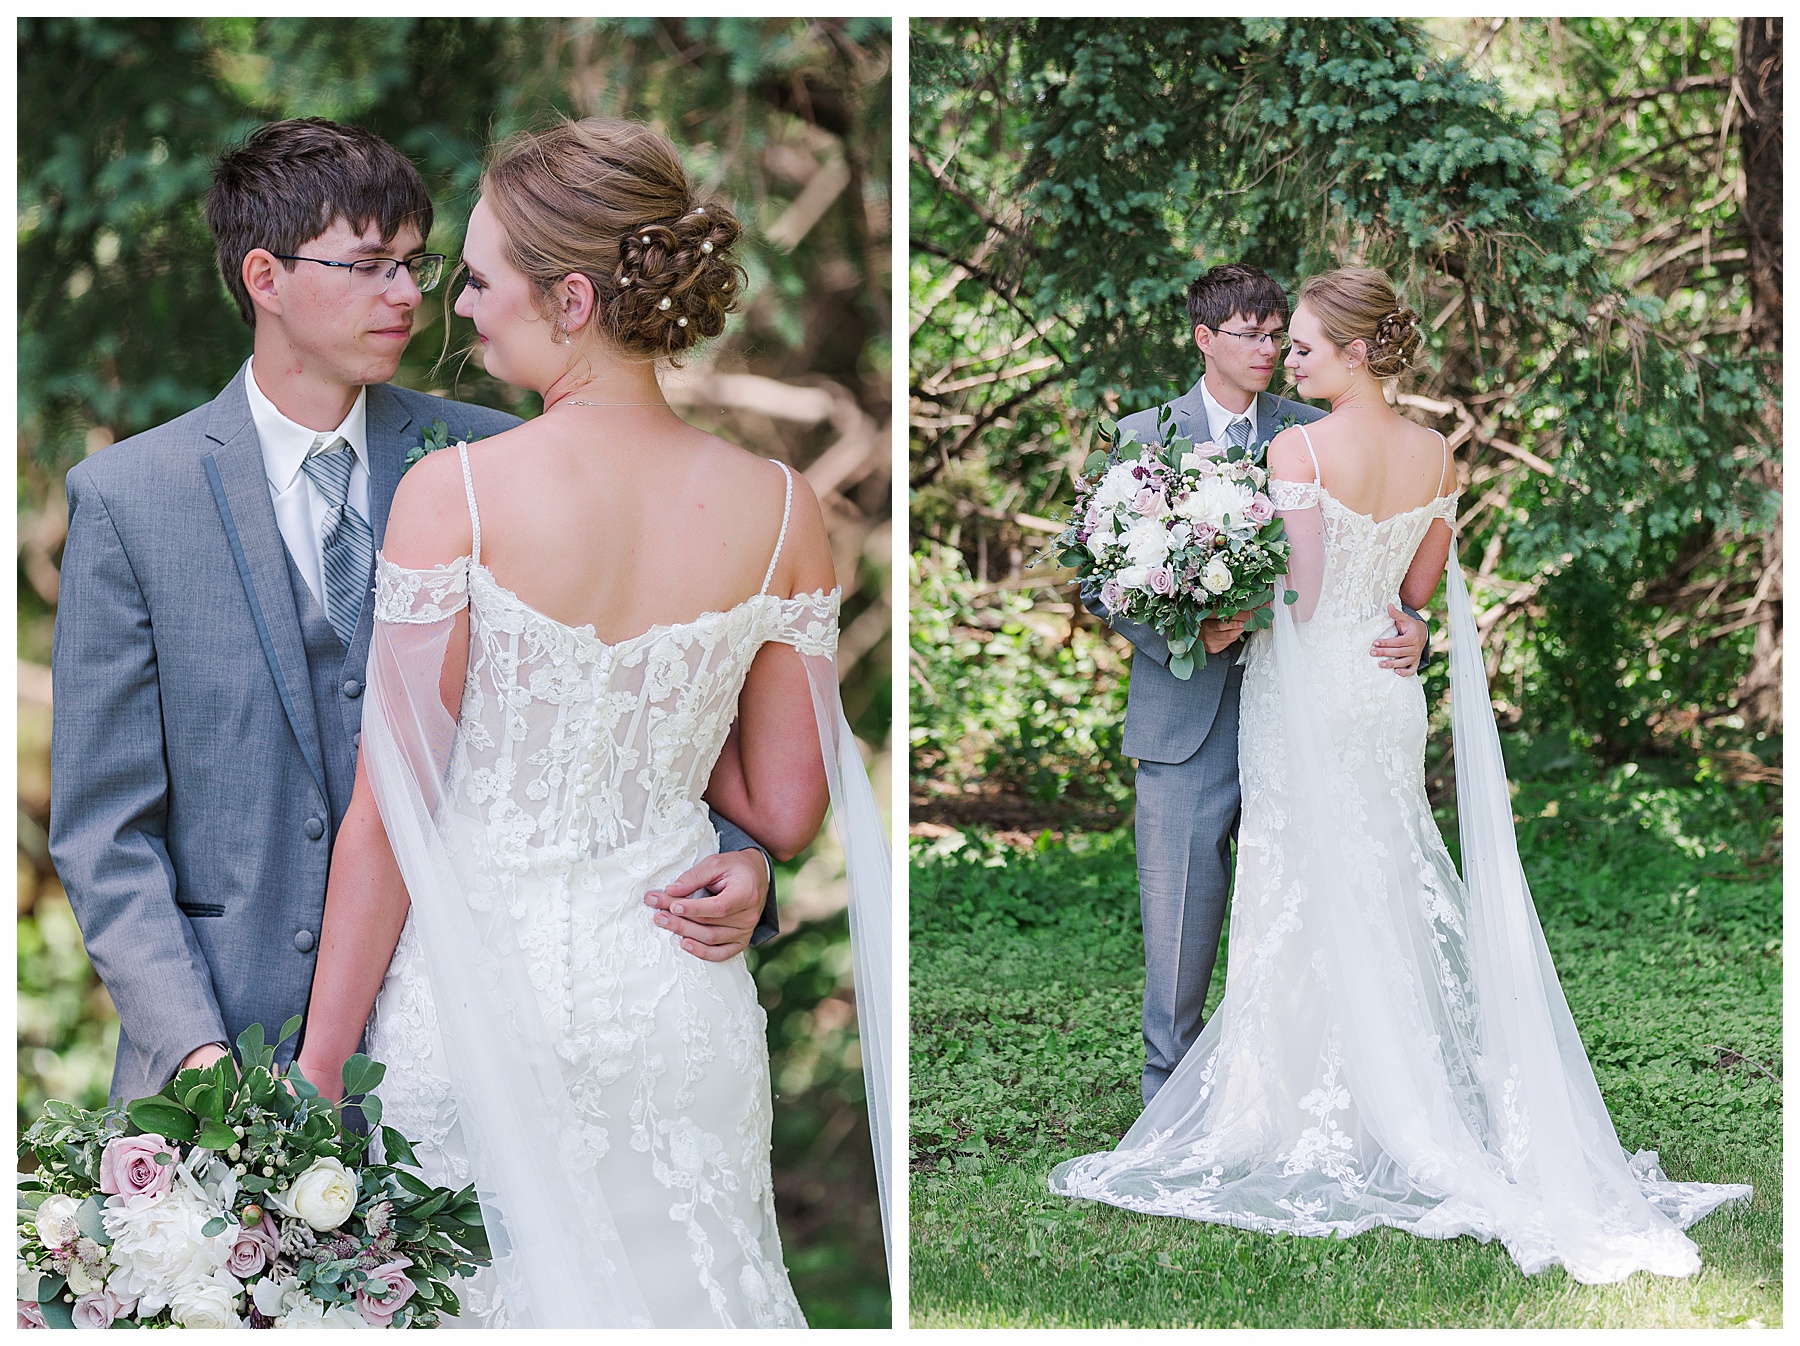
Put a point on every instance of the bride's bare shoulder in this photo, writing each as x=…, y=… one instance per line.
x=428, y=523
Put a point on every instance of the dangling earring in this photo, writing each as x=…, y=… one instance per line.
x=561, y=335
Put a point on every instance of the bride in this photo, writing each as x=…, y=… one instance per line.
x=588, y=629
x=1392, y=1047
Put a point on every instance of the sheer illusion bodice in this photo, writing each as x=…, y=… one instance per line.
x=1392, y=1046
x=572, y=787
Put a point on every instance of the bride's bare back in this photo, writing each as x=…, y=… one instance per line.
x=1373, y=461
x=618, y=519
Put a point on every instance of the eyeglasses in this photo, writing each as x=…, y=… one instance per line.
x=373, y=275
x=1278, y=341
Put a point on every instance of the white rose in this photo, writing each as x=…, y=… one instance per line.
x=157, y=1245
x=1217, y=576
x=57, y=1224
x=211, y=1302
x=1134, y=577
x=83, y=1279
x=1147, y=544
x=1212, y=499
x=323, y=1196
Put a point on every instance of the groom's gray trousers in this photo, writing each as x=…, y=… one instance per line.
x=1184, y=735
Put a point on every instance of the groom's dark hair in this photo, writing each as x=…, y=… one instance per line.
x=1234, y=288
x=292, y=180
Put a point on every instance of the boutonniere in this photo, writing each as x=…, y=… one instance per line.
x=437, y=436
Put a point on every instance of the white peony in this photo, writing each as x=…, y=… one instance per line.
x=85, y=1279
x=323, y=1196
x=1217, y=576
x=1212, y=499
x=1134, y=577
x=1119, y=486
x=206, y=1302
x=1147, y=543
x=157, y=1245
x=57, y=1224
x=273, y=1297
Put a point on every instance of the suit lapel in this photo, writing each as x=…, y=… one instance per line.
x=388, y=421
x=240, y=487
x=1190, y=415
x=1268, y=424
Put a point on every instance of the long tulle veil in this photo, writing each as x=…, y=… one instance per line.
x=557, y=1249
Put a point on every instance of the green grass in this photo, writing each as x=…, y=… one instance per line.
x=1660, y=898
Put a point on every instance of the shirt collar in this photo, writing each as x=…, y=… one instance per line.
x=1217, y=418
x=285, y=443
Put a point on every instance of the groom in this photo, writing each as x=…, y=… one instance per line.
x=1184, y=734
x=215, y=619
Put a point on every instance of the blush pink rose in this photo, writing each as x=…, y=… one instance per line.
x=253, y=1249
x=390, y=1281
x=100, y=1309
x=1112, y=593
x=30, y=1315
x=128, y=1167
x=1209, y=449
x=1147, y=502
x=1162, y=580
x=1262, y=509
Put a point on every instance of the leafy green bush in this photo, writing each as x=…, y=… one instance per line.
x=996, y=697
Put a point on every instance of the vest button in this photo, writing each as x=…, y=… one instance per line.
x=303, y=940
x=314, y=828
x=356, y=741
x=352, y=688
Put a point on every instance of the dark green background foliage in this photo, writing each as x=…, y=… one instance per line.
x=124, y=323
x=1564, y=201
x=1660, y=899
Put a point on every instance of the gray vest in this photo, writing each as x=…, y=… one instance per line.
x=337, y=699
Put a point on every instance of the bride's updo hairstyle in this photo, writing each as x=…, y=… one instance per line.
x=611, y=200
x=1358, y=303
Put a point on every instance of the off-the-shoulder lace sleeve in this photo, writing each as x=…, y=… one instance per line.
x=1293, y=494
x=420, y=596
x=1446, y=508
x=809, y=622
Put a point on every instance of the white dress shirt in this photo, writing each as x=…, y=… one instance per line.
x=300, y=508
x=1218, y=420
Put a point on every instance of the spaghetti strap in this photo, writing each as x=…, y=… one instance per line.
x=1318, y=476
x=787, y=474
x=1448, y=471
x=462, y=450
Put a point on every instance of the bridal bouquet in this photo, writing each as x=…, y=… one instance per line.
x=1175, y=533
x=236, y=1199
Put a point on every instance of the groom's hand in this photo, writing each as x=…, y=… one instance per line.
x=1217, y=633
x=715, y=906
x=202, y=1057
x=1403, y=650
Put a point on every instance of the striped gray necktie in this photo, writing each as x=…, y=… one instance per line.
x=349, y=543
x=1238, y=432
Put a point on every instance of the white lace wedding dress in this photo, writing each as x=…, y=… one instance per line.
x=1392, y=1047
x=608, y=1093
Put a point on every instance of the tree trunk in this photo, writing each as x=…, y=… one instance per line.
x=1758, y=88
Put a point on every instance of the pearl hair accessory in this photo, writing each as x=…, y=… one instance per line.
x=681, y=322
x=706, y=246
x=644, y=239
x=664, y=306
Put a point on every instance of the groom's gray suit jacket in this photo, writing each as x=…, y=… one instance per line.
x=1184, y=735
x=206, y=727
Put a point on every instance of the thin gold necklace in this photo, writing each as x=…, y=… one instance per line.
x=576, y=402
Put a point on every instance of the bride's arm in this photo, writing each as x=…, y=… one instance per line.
x=1427, y=567
x=770, y=778
x=365, y=897
x=1295, y=491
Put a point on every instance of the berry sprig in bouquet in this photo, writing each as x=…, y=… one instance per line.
x=1175, y=532
x=236, y=1198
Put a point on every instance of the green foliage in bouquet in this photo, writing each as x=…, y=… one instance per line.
x=253, y=1141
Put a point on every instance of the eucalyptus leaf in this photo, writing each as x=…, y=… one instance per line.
x=158, y=1116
